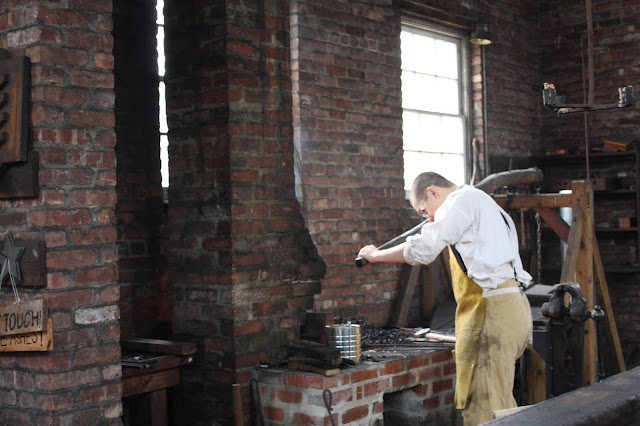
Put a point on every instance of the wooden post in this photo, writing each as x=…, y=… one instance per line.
x=586, y=264
x=584, y=277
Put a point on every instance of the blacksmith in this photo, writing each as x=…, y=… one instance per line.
x=493, y=317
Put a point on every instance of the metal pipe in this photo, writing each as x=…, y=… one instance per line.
x=484, y=115
x=591, y=78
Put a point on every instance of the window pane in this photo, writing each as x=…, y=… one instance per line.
x=160, y=12
x=164, y=160
x=425, y=55
x=160, y=48
x=164, y=128
x=447, y=63
x=433, y=122
x=445, y=96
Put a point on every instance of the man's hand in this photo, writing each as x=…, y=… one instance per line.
x=368, y=252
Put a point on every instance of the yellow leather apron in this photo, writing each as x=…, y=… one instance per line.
x=469, y=320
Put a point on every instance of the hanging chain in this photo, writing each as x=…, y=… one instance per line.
x=539, y=242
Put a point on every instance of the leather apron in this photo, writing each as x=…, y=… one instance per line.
x=469, y=320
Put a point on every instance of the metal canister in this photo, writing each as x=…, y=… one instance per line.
x=346, y=338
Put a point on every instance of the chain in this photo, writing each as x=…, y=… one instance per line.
x=539, y=242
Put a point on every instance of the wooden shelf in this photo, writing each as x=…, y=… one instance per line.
x=615, y=229
x=615, y=179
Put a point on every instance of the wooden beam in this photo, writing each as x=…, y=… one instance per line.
x=404, y=300
x=573, y=247
x=518, y=201
x=556, y=223
x=605, y=301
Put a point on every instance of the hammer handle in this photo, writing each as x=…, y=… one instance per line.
x=361, y=261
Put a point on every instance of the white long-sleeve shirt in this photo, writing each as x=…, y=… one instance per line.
x=475, y=223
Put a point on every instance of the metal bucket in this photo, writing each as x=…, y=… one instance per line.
x=346, y=338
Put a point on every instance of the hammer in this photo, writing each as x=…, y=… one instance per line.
x=361, y=261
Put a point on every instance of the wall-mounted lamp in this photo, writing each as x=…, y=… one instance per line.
x=480, y=34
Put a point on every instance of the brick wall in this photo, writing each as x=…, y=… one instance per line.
x=72, y=128
x=415, y=389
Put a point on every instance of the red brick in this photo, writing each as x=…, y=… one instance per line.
x=374, y=388
x=403, y=380
x=45, y=361
x=249, y=327
x=94, y=197
x=99, y=41
x=70, y=259
x=362, y=375
x=68, y=299
x=71, y=379
x=94, y=236
x=430, y=373
x=96, y=275
x=91, y=79
x=19, y=379
x=440, y=356
x=57, y=55
x=273, y=413
x=54, y=402
x=431, y=403
x=99, y=394
x=392, y=367
x=287, y=396
x=61, y=95
x=355, y=414
x=417, y=362
x=10, y=220
x=309, y=381
x=58, y=16
x=87, y=417
x=91, y=5
x=92, y=118
x=442, y=385
x=303, y=419
x=95, y=355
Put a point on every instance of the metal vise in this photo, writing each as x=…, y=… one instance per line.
x=577, y=311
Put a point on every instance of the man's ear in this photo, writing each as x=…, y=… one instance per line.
x=433, y=191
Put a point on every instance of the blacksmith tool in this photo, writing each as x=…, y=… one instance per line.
x=552, y=101
x=361, y=261
x=577, y=311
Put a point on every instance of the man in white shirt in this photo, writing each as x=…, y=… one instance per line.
x=493, y=317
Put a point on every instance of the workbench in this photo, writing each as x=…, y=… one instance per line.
x=147, y=374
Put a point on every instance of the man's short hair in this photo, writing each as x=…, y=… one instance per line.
x=427, y=179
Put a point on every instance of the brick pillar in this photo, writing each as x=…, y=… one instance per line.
x=243, y=266
x=72, y=127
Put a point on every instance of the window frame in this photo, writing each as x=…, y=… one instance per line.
x=462, y=39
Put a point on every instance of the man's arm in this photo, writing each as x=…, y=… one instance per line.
x=391, y=255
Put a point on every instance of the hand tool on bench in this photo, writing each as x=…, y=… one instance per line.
x=434, y=336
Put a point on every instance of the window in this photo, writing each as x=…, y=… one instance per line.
x=164, y=128
x=434, y=120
